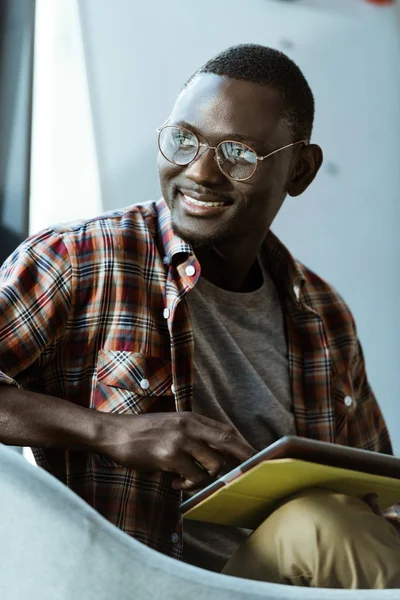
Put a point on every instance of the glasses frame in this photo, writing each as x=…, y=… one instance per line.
x=215, y=148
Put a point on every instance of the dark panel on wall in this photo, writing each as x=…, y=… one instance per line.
x=16, y=67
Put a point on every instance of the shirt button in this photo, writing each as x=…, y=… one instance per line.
x=348, y=401
x=173, y=389
x=144, y=384
x=190, y=270
x=166, y=313
x=174, y=538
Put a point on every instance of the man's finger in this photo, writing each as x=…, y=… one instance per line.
x=225, y=439
x=189, y=470
x=210, y=460
x=372, y=501
x=180, y=483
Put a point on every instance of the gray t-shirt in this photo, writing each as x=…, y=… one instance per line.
x=241, y=377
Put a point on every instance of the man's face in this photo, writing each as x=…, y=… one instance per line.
x=218, y=108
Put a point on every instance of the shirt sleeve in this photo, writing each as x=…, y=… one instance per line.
x=368, y=429
x=35, y=298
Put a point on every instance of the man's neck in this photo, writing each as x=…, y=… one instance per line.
x=234, y=270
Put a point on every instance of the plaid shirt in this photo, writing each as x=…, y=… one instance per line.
x=95, y=312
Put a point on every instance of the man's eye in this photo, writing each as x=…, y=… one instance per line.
x=184, y=140
x=238, y=152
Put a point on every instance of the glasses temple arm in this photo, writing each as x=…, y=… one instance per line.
x=283, y=148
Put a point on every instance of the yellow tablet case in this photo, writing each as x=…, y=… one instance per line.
x=247, y=500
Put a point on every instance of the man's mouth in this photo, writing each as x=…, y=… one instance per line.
x=203, y=205
x=190, y=200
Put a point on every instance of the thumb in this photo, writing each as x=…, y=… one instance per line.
x=372, y=501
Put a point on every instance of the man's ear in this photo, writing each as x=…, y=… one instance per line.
x=306, y=168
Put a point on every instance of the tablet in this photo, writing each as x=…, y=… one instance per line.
x=288, y=465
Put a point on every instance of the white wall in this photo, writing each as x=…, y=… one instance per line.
x=346, y=226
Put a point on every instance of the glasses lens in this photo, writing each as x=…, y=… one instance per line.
x=236, y=160
x=178, y=145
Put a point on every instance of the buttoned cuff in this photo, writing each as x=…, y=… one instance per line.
x=393, y=513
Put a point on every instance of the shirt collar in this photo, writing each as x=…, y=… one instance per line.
x=288, y=274
x=171, y=242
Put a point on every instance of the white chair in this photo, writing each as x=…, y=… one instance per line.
x=53, y=546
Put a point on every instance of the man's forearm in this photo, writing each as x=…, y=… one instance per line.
x=31, y=419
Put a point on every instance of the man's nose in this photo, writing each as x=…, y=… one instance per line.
x=204, y=168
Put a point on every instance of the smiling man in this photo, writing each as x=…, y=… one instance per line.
x=144, y=351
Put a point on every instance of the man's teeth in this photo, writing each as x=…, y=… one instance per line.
x=199, y=203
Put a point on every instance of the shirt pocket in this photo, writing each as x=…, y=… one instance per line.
x=132, y=382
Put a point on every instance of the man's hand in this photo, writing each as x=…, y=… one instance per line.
x=372, y=501
x=192, y=446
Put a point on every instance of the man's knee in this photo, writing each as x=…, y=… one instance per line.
x=316, y=512
x=286, y=545
x=322, y=525
x=323, y=539
x=337, y=541
x=308, y=529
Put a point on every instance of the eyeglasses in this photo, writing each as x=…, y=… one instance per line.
x=236, y=160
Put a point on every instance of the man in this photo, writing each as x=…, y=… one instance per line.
x=145, y=350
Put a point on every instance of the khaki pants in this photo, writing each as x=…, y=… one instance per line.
x=320, y=538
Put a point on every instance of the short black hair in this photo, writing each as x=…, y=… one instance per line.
x=266, y=66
